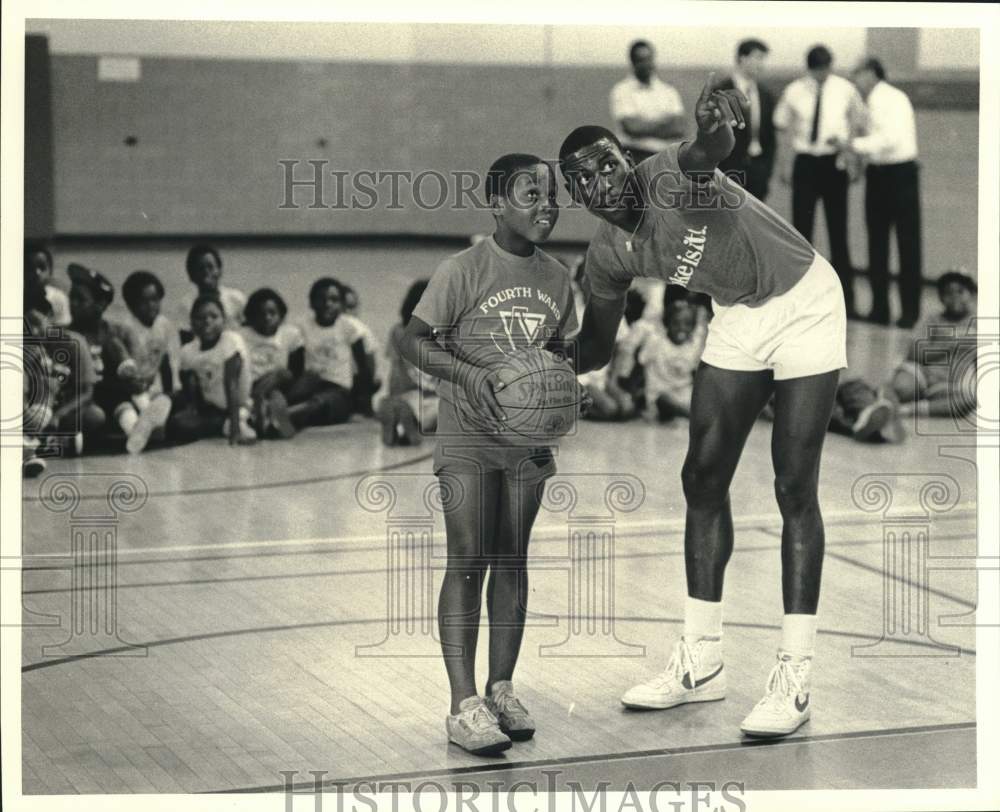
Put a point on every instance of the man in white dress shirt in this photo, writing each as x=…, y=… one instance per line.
x=648, y=112
x=818, y=113
x=892, y=192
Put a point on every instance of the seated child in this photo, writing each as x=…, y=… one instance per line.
x=333, y=347
x=938, y=377
x=215, y=380
x=272, y=345
x=613, y=398
x=58, y=386
x=860, y=412
x=669, y=354
x=152, y=343
x=410, y=407
x=865, y=414
x=107, y=342
x=38, y=265
x=204, y=269
x=362, y=401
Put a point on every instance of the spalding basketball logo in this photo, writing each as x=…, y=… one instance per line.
x=555, y=424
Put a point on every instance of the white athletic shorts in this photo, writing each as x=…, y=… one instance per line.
x=802, y=332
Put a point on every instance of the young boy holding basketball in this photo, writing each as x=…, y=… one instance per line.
x=492, y=301
x=779, y=327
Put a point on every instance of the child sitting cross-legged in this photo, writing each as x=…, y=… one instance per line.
x=333, y=348
x=668, y=353
x=215, y=380
x=154, y=347
x=410, y=407
x=275, y=351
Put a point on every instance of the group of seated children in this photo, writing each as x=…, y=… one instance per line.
x=651, y=373
x=657, y=350
x=238, y=370
x=937, y=378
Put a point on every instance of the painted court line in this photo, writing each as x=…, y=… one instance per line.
x=352, y=572
x=900, y=579
x=503, y=766
x=215, y=490
x=832, y=518
x=382, y=621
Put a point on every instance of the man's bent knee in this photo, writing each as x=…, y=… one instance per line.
x=702, y=487
x=795, y=494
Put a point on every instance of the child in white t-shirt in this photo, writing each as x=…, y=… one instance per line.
x=274, y=347
x=215, y=376
x=333, y=349
x=154, y=347
x=669, y=354
x=204, y=269
x=939, y=375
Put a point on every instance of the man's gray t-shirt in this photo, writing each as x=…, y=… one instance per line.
x=711, y=237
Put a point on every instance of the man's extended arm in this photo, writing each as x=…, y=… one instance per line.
x=595, y=343
x=717, y=113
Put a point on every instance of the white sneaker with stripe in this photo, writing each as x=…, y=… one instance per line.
x=785, y=706
x=475, y=729
x=693, y=674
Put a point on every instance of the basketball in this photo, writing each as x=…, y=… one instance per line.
x=541, y=395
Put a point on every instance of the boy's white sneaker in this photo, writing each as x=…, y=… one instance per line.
x=475, y=729
x=693, y=674
x=512, y=716
x=785, y=706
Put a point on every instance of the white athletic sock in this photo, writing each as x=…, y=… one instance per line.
x=798, y=635
x=702, y=619
x=127, y=417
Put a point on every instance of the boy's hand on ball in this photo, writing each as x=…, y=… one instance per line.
x=481, y=389
x=491, y=385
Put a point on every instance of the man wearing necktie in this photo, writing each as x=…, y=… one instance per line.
x=752, y=158
x=817, y=113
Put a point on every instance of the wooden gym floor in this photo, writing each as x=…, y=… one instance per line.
x=254, y=593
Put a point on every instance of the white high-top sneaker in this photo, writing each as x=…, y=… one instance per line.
x=693, y=674
x=785, y=706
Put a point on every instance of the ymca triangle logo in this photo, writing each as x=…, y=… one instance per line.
x=520, y=326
